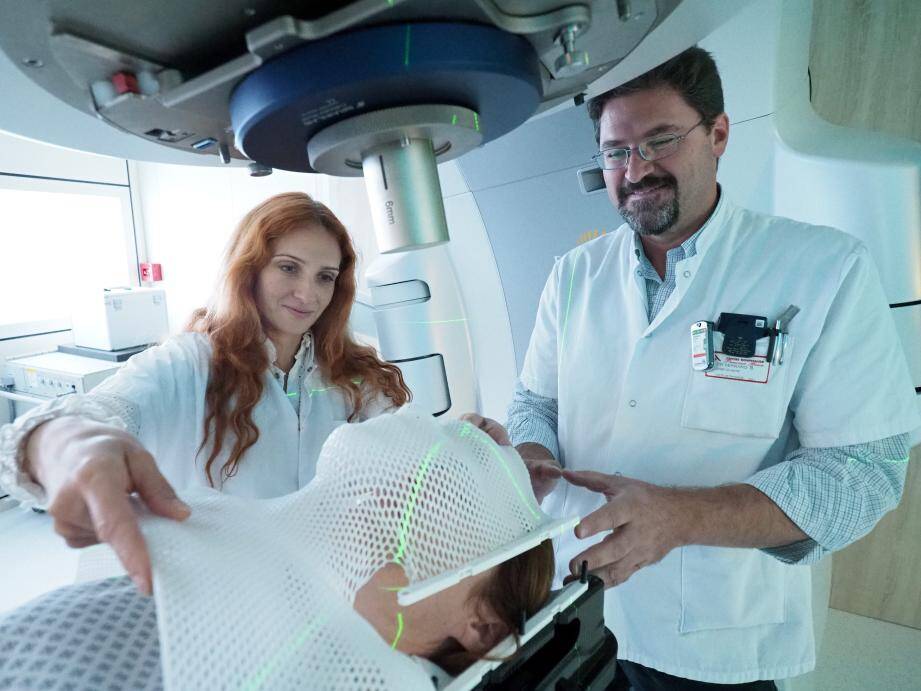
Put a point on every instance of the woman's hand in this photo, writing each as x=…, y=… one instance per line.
x=89, y=471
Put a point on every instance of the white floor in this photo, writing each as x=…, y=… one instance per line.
x=866, y=654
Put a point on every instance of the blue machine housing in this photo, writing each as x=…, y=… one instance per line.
x=280, y=106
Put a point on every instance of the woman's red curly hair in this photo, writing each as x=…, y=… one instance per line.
x=236, y=331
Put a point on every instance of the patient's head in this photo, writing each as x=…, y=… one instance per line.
x=459, y=625
x=405, y=499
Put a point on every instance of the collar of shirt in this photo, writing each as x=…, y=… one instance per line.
x=685, y=250
x=303, y=360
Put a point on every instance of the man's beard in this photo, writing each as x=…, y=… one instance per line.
x=649, y=217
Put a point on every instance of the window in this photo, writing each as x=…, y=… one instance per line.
x=57, y=239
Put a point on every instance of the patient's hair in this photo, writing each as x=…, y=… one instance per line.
x=692, y=74
x=521, y=584
x=234, y=326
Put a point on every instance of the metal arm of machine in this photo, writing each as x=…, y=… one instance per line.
x=536, y=23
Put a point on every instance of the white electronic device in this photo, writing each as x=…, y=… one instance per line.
x=58, y=374
x=117, y=318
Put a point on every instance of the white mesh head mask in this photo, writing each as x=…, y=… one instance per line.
x=258, y=594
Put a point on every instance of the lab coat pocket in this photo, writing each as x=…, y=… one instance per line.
x=723, y=587
x=748, y=398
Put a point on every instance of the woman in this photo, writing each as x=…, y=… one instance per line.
x=304, y=591
x=267, y=371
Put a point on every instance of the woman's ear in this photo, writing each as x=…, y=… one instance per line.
x=480, y=633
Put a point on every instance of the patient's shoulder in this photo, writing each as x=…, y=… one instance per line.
x=102, y=632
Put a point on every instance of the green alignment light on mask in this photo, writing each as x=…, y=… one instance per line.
x=258, y=680
x=494, y=450
x=411, y=503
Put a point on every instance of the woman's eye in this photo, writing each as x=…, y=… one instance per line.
x=288, y=268
x=327, y=278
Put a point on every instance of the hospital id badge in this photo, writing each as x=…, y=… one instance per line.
x=755, y=369
x=702, y=346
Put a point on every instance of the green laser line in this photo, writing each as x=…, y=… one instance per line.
x=493, y=448
x=260, y=677
x=406, y=46
x=454, y=119
x=437, y=321
x=411, y=504
x=495, y=452
x=394, y=589
x=476, y=122
x=311, y=392
x=393, y=646
x=572, y=279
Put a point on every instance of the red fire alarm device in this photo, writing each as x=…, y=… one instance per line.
x=151, y=272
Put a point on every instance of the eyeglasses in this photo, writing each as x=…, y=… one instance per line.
x=651, y=149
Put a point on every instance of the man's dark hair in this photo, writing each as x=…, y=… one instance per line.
x=692, y=74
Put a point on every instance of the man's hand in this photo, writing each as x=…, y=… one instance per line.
x=543, y=468
x=644, y=519
x=89, y=472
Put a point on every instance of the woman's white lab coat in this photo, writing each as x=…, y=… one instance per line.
x=159, y=396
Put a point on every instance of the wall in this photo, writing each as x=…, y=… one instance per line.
x=24, y=158
x=865, y=65
x=189, y=214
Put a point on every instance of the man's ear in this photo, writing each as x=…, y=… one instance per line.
x=719, y=134
x=480, y=633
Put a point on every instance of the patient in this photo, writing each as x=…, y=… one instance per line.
x=304, y=590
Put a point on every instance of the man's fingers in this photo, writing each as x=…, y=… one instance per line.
x=594, y=481
x=153, y=488
x=611, y=550
x=612, y=574
x=498, y=434
x=619, y=573
x=545, y=471
x=116, y=523
x=609, y=517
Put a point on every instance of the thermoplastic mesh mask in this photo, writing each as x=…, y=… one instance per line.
x=258, y=593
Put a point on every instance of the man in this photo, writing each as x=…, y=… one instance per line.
x=787, y=447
